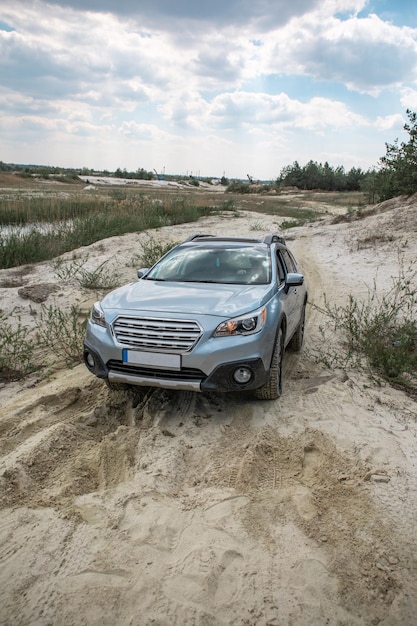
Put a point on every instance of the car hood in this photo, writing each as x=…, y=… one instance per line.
x=189, y=298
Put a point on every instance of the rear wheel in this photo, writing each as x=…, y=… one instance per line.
x=272, y=389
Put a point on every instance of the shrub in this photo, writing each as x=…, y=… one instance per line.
x=291, y=224
x=228, y=205
x=61, y=333
x=17, y=348
x=153, y=250
x=257, y=226
x=379, y=332
x=102, y=277
x=64, y=270
x=238, y=186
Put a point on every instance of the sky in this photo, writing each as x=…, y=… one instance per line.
x=221, y=88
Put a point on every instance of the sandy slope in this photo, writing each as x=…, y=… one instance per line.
x=183, y=508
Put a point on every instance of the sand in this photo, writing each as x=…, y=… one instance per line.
x=209, y=509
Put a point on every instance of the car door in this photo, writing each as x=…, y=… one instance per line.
x=293, y=294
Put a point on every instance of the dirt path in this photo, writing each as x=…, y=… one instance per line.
x=183, y=508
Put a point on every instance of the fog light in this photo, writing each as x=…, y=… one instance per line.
x=90, y=359
x=242, y=375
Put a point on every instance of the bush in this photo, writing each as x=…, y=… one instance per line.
x=228, y=205
x=102, y=277
x=153, y=250
x=291, y=224
x=17, y=348
x=238, y=186
x=61, y=334
x=58, y=337
x=379, y=332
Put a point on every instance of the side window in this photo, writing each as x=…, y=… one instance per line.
x=289, y=262
x=280, y=268
x=294, y=262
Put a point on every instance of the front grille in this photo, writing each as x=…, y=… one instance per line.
x=157, y=335
x=186, y=373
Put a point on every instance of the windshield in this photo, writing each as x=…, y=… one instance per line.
x=249, y=265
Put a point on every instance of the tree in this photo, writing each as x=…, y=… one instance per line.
x=354, y=178
x=312, y=176
x=291, y=176
x=399, y=165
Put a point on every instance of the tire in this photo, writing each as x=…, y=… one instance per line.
x=272, y=389
x=296, y=342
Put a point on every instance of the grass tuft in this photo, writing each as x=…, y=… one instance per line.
x=153, y=250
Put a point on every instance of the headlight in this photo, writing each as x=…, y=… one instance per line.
x=97, y=315
x=243, y=325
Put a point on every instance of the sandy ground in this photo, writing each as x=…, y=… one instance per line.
x=183, y=508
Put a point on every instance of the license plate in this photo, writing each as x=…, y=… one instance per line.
x=152, y=359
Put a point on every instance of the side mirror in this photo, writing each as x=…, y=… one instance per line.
x=142, y=272
x=293, y=280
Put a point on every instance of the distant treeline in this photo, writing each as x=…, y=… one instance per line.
x=311, y=176
x=318, y=176
x=395, y=175
x=47, y=171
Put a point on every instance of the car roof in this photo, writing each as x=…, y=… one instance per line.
x=267, y=240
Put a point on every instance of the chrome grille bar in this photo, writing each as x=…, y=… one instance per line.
x=157, y=335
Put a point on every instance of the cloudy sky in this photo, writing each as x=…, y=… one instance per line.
x=231, y=87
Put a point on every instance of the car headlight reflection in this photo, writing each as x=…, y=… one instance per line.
x=97, y=315
x=243, y=325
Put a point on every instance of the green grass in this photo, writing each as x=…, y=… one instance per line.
x=286, y=208
x=79, y=219
x=25, y=209
x=93, y=222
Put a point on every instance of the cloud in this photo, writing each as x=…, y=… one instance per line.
x=246, y=111
x=170, y=15
x=390, y=122
x=215, y=83
x=365, y=54
x=70, y=53
x=409, y=98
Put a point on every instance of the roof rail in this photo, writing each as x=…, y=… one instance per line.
x=197, y=237
x=274, y=239
x=224, y=239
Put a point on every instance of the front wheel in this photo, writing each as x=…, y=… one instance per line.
x=272, y=389
x=296, y=341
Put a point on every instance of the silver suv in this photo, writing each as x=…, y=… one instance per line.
x=214, y=313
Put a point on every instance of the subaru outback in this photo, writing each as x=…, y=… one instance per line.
x=214, y=313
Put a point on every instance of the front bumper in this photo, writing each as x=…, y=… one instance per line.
x=220, y=379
